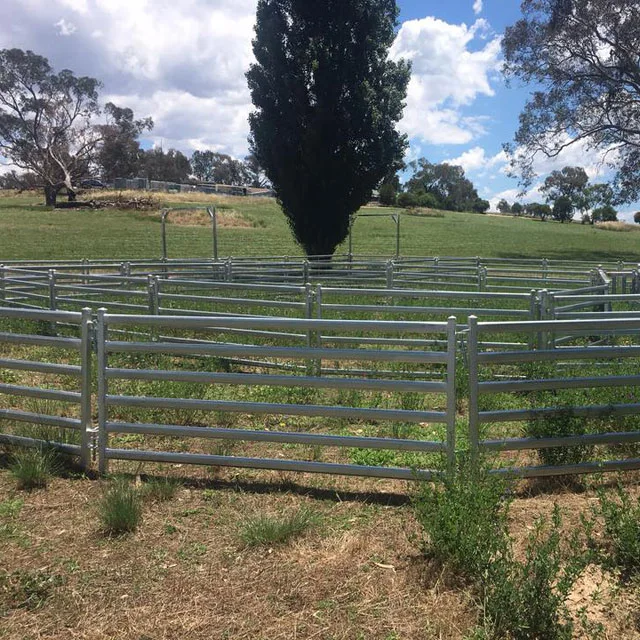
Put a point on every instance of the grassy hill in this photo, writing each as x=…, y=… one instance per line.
x=258, y=227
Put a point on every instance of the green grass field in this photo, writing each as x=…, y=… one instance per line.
x=29, y=230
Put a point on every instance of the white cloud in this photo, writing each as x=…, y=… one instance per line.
x=477, y=7
x=476, y=160
x=578, y=154
x=80, y=6
x=183, y=63
x=447, y=74
x=65, y=28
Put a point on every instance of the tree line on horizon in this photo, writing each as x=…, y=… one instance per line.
x=568, y=192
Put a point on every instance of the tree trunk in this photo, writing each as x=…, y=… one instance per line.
x=71, y=195
x=50, y=195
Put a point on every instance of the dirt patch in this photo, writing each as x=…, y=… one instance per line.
x=185, y=573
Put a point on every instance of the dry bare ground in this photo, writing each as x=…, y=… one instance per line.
x=357, y=574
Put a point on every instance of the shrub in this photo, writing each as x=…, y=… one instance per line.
x=264, y=529
x=387, y=194
x=562, y=424
x=120, y=509
x=407, y=200
x=621, y=519
x=526, y=600
x=429, y=201
x=32, y=468
x=464, y=520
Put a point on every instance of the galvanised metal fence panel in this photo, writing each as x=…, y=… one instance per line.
x=342, y=394
x=534, y=381
x=37, y=414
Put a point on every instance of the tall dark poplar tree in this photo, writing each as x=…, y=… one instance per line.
x=327, y=100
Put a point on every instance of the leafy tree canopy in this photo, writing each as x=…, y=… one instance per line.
x=604, y=214
x=220, y=168
x=562, y=209
x=583, y=57
x=504, y=206
x=569, y=182
x=445, y=182
x=172, y=166
x=120, y=154
x=46, y=120
x=327, y=101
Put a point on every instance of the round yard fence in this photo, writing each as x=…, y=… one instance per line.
x=352, y=366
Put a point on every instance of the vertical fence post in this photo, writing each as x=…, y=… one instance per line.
x=351, y=221
x=305, y=273
x=545, y=269
x=214, y=224
x=52, y=298
x=3, y=285
x=152, y=288
x=397, y=235
x=103, y=436
x=163, y=220
x=533, y=315
x=451, y=395
x=389, y=274
x=474, y=418
x=543, y=309
x=312, y=365
x=551, y=314
x=85, y=271
x=319, y=302
x=85, y=390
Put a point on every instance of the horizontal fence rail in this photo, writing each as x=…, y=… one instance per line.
x=31, y=415
x=538, y=401
x=351, y=363
x=261, y=355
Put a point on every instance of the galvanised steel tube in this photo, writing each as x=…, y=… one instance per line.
x=41, y=367
x=327, y=440
x=40, y=418
x=306, y=382
x=306, y=353
x=44, y=394
x=309, y=410
x=43, y=341
x=273, y=464
x=280, y=323
x=522, y=444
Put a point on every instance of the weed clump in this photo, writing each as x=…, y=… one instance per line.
x=466, y=526
x=526, y=600
x=464, y=520
x=120, y=508
x=264, y=529
x=562, y=424
x=621, y=518
x=160, y=489
x=33, y=468
x=26, y=589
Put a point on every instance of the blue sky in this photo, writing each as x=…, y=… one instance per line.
x=183, y=63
